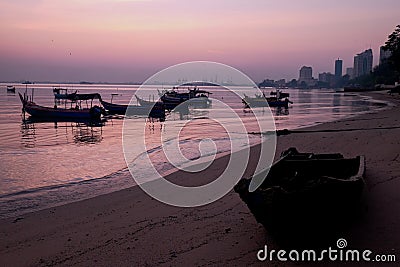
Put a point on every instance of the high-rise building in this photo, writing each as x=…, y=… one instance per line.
x=280, y=82
x=306, y=75
x=349, y=71
x=326, y=77
x=383, y=54
x=338, y=68
x=362, y=63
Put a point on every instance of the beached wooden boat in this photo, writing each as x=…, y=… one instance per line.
x=305, y=192
x=10, y=89
x=93, y=113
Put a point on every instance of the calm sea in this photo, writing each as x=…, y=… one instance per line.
x=44, y=164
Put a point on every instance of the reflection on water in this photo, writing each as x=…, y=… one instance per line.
x=281, y=111
x=81, y=132
x=87, y=134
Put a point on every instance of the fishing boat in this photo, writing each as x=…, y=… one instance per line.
x=144, y=102
x=305, y=193
x=10, y=89
x=278, y=99
x=153, y=111
x=77, y=112
x=263, y=101
x=114, y=108
x=279, y=94
x=198, y=98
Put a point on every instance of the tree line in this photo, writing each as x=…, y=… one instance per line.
x=388, y=72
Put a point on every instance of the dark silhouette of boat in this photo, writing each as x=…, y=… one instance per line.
x=155, y=110
x=92, y=113
x=279, y=93
x=198, y=98
x=62, y=93
x=10, y=89
x=278, y=99
x=305, y=195
x=143, y=102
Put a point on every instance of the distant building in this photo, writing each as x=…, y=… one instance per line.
x=326, y=77
x=267, y=83
x=272, y=83
x=281, y=82
x=306, y=76
x=363, y=63
x=383, y=55
x=338, y=68
x=349, y=71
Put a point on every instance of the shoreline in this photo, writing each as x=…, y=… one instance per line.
x=129, y=227
x=34, y=199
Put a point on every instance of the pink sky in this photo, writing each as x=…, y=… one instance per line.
x=129, y=40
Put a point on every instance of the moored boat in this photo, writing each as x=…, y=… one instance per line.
x=143, y=102
x=92, y=113
x=198, y=98
x=278, y=99
x=279, y=94
x=10, y=89
x=262, y=101
x=114, y=108
x=304, y=193
x=153, y=111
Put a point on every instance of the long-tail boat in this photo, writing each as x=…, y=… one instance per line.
x=156, y=110
x=77, y=112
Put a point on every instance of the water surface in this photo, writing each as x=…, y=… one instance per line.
x=44, y=164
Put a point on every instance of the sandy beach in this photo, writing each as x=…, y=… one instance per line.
x=130, y=228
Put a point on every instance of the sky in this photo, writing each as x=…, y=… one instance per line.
x=130, y=40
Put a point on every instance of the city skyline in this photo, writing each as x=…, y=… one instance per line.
x=130, y=40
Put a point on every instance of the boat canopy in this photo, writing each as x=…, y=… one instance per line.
x=87, y=96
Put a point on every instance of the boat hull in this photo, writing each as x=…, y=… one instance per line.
x=254, y=103
x=114, y=108
x=11, y=89
x=306, y=195
x=60, y=113
x=156, y=111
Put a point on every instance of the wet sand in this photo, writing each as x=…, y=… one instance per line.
x=130, y=228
